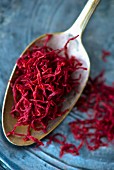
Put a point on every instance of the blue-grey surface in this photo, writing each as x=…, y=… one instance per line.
x=22, y=21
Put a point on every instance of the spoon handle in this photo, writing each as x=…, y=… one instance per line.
x=81, y=22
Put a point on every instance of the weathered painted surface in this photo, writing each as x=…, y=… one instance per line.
x=22, y=21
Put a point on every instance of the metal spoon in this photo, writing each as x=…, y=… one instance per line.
x=58, y=41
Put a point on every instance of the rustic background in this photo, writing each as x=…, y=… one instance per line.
x=21, y=21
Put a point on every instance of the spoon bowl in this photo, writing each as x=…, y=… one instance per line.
x=57, y=41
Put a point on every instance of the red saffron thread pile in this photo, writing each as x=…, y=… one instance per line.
x=97, y=129
x=44, y=78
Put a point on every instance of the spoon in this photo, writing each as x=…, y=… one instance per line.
x=57, y=41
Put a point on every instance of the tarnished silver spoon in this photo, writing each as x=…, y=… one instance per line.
x=57, y=42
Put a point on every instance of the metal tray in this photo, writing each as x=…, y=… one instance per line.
x=21, y=22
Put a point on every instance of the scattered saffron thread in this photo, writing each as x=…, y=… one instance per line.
x=97, y=129
x=105, y=54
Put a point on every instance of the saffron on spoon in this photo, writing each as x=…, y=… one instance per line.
x=44, y=78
